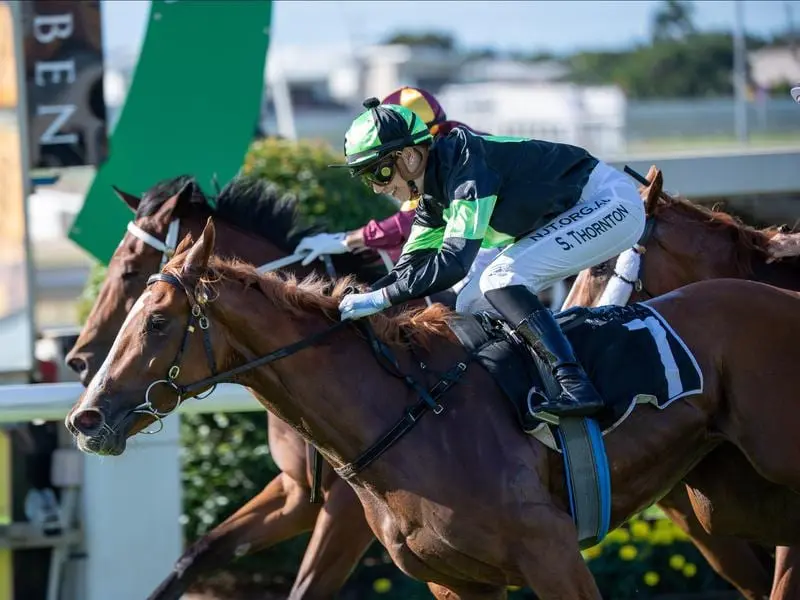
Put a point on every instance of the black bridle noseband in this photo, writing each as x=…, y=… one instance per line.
x=428, y=398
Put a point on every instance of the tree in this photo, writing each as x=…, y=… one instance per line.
x=673, y=20
x=430, y=39
x=696, y=67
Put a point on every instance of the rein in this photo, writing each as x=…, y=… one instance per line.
x=168, y=246
x=428, y=399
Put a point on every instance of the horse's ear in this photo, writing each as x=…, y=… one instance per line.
x=172, y=207
x=184, y=244
x=654, y=193
x=129, y=199
x=197, y=261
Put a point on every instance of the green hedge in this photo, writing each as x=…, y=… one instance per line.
x=226, y=459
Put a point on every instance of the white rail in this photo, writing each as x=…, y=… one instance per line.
x=52, y=401
x=135, y=496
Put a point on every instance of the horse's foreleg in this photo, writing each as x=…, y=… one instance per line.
x=281, y=511
x=550, y=560
x=468, y=592
x=341, y=536
x=786, y=585
x=733, y=559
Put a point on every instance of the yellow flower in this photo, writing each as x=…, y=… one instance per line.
x=662, y=537
x=382, y=585
x=639, y=530
x=628, y=552
x=619, y=536
x=689, y=570
x=677, y=561
x=651, y=578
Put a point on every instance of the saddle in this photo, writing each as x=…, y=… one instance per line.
x=632, y=356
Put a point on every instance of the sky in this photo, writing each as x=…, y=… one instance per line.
x=559, y=26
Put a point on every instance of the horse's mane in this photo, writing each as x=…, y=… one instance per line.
x=249, y=203
x=155, y=197
x=749, y=242
x=256, y=205
x=297, y=297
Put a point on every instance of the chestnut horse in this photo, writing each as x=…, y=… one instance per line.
x=504, y=520
x=689, y=243
x=256, y=225
x=275, y=513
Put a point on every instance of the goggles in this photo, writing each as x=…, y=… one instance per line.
x=379, y=173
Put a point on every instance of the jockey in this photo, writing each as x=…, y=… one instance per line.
x=554, y=209
x=390, y=233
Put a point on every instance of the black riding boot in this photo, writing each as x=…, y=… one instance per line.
x=522, y=310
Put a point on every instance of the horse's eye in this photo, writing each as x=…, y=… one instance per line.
x=156, y=323
x=129, y=275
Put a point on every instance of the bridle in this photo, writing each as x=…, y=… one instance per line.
x=429, y=399
x=197, y=319
x=167, y=249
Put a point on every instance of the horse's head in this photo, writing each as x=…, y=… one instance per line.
x=254, y=223
x=683, y=243
x=197, y=324
x=165, y=338
x=141, y=252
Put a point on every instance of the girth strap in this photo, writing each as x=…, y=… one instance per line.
x=412, y=415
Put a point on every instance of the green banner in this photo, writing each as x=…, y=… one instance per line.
x=192, y=108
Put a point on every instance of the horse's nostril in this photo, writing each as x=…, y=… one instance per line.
x=77, y=364
x=88, y=421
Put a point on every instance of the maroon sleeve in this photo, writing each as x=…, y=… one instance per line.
x=390, y=233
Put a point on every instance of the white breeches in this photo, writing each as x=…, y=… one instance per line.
x=608, y=219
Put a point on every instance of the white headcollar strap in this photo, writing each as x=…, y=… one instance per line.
x=167, y=247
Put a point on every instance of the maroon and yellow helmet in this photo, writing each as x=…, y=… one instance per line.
x=423, y=103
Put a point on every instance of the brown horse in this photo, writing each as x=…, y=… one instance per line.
x=258, y=226
x=504, y=520
x=689, y=243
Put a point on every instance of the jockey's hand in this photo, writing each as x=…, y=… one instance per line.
x=356, y=306
x=322, y=243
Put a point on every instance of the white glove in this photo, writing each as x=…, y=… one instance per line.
x=322, y=243
x=356, y=306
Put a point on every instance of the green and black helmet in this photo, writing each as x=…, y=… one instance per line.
x=380, y=130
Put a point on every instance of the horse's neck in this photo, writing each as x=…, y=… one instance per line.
x=233, y=241
x=725, y=259
x=327, y=392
